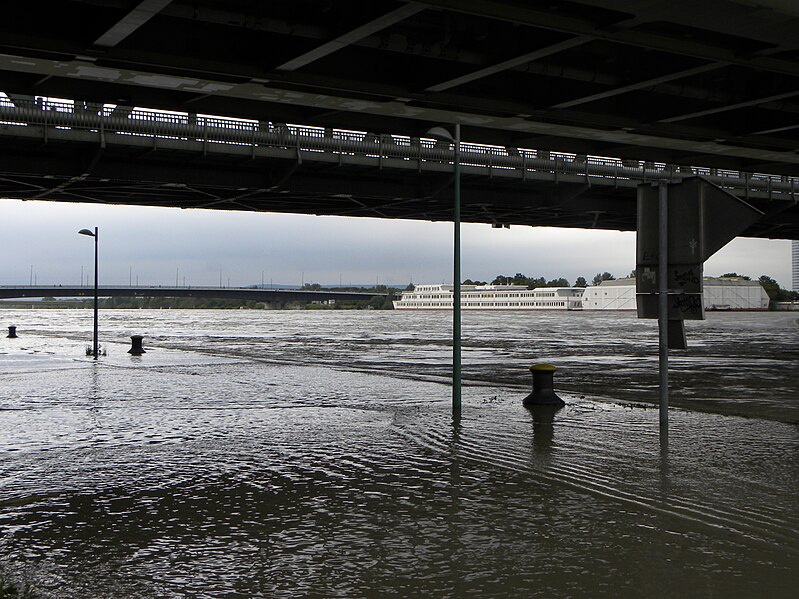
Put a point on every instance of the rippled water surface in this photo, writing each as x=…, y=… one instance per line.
x=313, y=454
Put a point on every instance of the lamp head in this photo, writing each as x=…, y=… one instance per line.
x=440, y=133
x=86, y=232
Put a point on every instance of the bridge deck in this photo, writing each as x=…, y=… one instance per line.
x=60, y=151
x=259, y=295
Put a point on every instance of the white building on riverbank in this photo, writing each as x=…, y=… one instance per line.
x=795, y=265
x=719, y=294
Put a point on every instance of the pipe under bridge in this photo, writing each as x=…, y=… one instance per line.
x=244, y=293
x=103, y=153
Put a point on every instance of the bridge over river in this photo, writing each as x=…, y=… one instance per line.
x=244, y=293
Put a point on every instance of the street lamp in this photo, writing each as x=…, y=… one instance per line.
x=94, y=234
x=440, y=133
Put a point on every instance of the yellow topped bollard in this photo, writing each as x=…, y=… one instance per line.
x=543, y=392
x=136, y=348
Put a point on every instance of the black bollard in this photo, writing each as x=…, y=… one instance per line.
x=543, y=392
x=135, y=345
x=12, y=332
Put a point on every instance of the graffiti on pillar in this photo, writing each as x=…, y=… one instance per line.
x=688, y=305
x=686, y=277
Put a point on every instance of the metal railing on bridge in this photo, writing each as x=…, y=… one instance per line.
x=110, y=123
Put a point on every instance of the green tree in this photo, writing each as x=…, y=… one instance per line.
x=520, y=279
x=539, y=282
x=561, y=282
x=377, y=303
x=580, y=282
x=605, y=276
x=735, y=275
x=771, y=286
x=775, y=292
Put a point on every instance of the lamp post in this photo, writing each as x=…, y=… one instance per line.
x=95, y=235
x=441, y=133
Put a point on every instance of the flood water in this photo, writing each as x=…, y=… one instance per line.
x=314, y=454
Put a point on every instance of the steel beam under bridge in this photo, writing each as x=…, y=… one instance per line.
x=55, y=151
x=258, y=295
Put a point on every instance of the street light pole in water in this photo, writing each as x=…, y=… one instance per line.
x=440, y=133
x=96, y=320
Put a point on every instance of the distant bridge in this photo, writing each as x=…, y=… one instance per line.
x=258, y=295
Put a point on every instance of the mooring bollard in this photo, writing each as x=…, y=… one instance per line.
x=12, y=332
x=135, y=345
x=543, y=392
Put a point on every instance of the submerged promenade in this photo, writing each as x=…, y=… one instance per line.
x=285, y=454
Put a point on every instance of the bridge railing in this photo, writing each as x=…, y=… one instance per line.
x=108, y=120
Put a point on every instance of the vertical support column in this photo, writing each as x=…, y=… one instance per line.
x=96, y=292
x=663, y=303
x=456, y=277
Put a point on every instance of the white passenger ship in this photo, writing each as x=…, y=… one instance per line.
x=492, y=297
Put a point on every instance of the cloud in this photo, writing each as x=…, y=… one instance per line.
x=154, y=244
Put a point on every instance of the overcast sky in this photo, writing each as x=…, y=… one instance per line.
x=152, y=245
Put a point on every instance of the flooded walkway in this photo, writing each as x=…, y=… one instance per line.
x=187, y=474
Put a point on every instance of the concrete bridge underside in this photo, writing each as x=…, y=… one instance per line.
x=713, y=85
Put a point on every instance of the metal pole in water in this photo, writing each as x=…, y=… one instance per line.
x=443, y=135
x=663, y=303
x=456, y=275
x=96, y=293
x=88, y=233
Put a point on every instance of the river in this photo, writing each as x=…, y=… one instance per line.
x=255, y=453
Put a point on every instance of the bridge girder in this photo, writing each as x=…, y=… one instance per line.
x=583, y=76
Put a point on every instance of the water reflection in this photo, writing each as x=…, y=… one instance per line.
x=455, y=513
x=543, y=427
x=664, y=463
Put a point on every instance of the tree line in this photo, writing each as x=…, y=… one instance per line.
x=773, y=290
x=533, y=282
